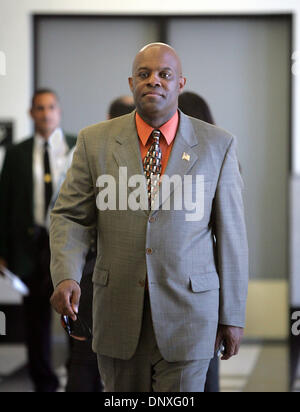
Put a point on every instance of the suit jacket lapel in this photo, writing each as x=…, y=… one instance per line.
x=127, y=153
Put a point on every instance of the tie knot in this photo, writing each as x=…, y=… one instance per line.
x=156, y=135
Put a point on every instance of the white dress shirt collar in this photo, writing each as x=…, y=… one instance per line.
x=56, y=142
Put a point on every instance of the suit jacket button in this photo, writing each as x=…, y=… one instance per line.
x=149, y=251
x=152, y=219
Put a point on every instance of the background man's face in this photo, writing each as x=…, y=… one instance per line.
x=156, y=83
x=46, y=114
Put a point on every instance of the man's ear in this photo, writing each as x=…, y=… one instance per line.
x=182, y=83
x=130, y=81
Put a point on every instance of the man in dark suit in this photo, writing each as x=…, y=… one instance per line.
x=29, y=177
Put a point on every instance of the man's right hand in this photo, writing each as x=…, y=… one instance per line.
x=65, y=298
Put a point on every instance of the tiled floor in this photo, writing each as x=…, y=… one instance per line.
x=258, y=368
x=234, y=373
x=13, y=372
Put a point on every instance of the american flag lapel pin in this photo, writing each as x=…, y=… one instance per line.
x=186, y=157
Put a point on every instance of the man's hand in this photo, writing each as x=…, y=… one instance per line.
x=65, y=298
x=231, y=337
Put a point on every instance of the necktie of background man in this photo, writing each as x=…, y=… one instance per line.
x=47, y=178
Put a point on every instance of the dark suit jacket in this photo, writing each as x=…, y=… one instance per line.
x=17, y=232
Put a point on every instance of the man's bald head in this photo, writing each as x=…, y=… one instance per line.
x=159, y=47
x=156, y=82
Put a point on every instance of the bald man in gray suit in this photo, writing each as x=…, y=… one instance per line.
x=169, y=285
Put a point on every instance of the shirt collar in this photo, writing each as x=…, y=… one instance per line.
x=168, y=129
x=56, y=141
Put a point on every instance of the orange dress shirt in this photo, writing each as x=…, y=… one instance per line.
x=168, y=131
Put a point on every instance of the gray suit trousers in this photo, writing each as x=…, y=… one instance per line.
x=147, y=371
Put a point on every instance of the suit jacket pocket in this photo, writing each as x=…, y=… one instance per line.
x=204, y=282
x=100, y=277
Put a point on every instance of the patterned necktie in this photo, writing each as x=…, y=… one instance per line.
x=47, y=178
x=152, y=168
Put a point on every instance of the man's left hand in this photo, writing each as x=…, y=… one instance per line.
x=230, y=337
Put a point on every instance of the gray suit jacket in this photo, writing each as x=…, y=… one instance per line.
x=197, y=271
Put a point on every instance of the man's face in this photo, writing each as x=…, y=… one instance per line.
x=46, y=114
x=156, y=83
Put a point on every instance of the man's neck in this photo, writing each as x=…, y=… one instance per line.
x=44, y=134
x=156, y=121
